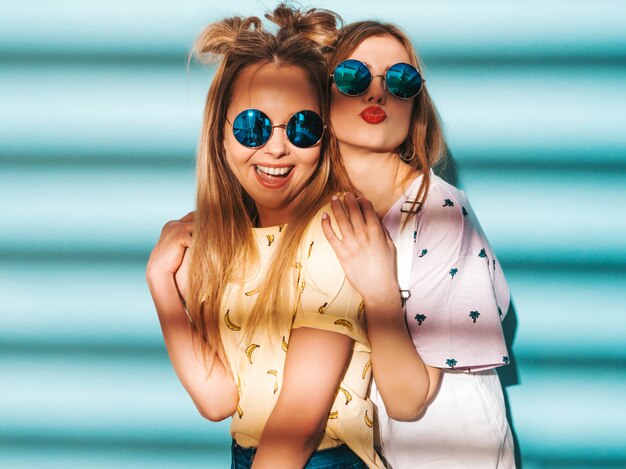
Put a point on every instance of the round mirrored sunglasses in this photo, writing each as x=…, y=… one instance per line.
x=253, y=129
x=353, y=78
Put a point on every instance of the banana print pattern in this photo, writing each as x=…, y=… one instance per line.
x=275, y=374
x=256, y=375
x=231, y=325
x=345, y=323
x=298, y=267
x=366, y=368
x=249, y=350
x=368, y=421
x=360, y=310
x=346, y=394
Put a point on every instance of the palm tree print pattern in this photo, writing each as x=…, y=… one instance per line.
x=448, y=203
x=420, y=318
x=464, y=212
x=474, y=315
x=505, y=360
x=453, y=272
x=482, y=253
x=423, y=253
x=451, y=362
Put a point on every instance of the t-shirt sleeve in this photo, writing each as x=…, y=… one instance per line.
x=458, y=292
x=327, y=300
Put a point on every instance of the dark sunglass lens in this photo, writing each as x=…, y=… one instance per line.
x=305, y=129
x=252, y=128
x=352, y=77
x=403, y=80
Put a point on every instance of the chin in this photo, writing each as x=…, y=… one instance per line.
x=373, y=146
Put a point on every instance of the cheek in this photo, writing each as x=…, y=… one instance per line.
x=236, y=156
x=340, y=112
x=403, y=119
x=310, y=158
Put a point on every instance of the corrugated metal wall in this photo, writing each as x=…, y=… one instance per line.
x=98, y=126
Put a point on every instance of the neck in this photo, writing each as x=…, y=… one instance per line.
x=377, y=176
x=268, y=217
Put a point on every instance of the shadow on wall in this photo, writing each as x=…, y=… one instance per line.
x=447, y=169
x=509, y=376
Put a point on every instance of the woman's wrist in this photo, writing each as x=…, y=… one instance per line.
x=386, y=301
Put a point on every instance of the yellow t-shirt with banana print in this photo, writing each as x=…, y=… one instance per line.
x=321, y=298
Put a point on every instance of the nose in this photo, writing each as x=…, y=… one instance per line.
x=376, y=92
x=278, y=144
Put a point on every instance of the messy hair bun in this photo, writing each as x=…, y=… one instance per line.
x=220, y=38
x=317, y=25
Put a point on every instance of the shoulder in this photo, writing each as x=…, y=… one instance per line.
x=315, y=247
x=448, y=221
x=444, y=197
x=321, y=267
x=445, y=211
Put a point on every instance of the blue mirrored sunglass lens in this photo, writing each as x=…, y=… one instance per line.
x=352, y=77
x=403, y=80
x=252, y=128
x=305, y=129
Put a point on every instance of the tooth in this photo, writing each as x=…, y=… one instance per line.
x=273, y=171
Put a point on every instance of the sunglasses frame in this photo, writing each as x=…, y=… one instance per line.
x=384, y=77
x=282, y=126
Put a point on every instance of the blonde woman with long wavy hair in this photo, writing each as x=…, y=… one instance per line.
x=439, y=400
x=258, y=318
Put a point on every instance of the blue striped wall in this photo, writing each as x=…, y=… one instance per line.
x=98, y=126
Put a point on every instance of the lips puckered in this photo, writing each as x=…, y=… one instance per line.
x=373, y=115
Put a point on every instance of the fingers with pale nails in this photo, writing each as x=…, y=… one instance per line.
x=167, y=255
x=362, y=245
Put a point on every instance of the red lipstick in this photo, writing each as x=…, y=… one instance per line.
x=373, y=115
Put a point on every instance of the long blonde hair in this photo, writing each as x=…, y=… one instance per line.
x=425, y=144
x=223, y=239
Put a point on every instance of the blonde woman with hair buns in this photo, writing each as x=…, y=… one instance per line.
x=258, y=318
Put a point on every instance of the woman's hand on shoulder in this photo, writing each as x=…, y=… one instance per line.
x=168, y=253
x=363, y=247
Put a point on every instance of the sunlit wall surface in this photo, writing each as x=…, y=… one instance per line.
x=98, y=126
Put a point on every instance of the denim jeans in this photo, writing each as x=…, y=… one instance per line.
x=340, y=457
